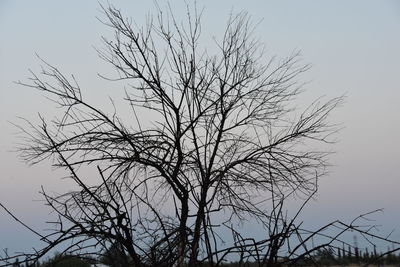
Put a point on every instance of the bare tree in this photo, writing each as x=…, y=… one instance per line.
x=224, y=145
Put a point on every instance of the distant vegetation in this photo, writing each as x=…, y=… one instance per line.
x=351, y=256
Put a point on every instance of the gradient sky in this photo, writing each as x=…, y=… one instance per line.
x=353, y=46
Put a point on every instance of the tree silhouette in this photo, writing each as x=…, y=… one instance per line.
x=213, y=140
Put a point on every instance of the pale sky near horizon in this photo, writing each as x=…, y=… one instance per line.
x=353, y=47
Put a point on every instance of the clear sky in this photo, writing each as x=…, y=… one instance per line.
x=353, y=46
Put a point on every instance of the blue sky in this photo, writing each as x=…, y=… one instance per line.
x=353, y=47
